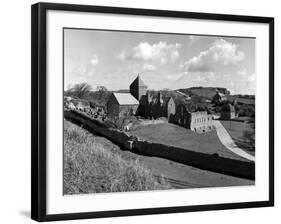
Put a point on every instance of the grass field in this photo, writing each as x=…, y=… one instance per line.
x=92, y=167
x=174, y=135
x=236, y=129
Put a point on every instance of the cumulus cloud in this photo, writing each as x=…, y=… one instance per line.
x=160, y=52
x=221, y=53
x=94, y=60
x=87, y=69
x=149, y=67
x=202, y=77
x=193, y=76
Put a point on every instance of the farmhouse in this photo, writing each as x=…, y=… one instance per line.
x=198, y=121
x=227, y=112
x=121, y=104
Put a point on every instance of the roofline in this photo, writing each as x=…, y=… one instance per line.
x=127, y=104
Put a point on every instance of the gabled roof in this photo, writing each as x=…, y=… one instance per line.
x=125, y=99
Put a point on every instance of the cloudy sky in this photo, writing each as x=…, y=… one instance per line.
x=113, y=60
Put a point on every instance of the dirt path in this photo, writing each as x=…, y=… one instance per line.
x=227, y=141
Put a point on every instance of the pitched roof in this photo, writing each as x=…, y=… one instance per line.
x=125, y=99
x=138, y=82
x=194, y=107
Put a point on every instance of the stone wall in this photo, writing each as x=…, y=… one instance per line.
x=214, y=163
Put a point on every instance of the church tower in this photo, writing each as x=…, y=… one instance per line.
x=138, y=88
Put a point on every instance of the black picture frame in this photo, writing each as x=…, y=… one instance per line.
x=39, y=108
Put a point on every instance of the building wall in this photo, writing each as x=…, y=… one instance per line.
x=143, y=109
x=171, y=108
x=112, y=106
x=227, y=112
x=125, y=110
x=199, y=121
x=227, y=115
x=134, y=91
x=141, y=91
x=154, y=107
x=156, y=110
x=182, y=117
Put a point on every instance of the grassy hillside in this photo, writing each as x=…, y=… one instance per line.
x=174, y=135
x=237, y=131
x=90, y=167
x=205, y=92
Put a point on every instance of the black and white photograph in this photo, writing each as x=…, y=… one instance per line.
x=148, y=111
x=139, y=111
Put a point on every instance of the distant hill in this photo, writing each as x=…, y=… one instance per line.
x=204, y=92
x=122, y=91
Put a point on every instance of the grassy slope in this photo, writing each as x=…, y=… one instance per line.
x=177, y=136
x=205, y=92
x=236, y=129
x=89, y=167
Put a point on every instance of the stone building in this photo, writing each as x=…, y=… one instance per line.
x=170, y=108
x=152, y=105
x=155, y=105
x=198, y=121
x=227, y=112
x=121, y=104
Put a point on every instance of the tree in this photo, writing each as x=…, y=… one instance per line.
x=101, y=88
x=81, y=90
x=102, y=91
